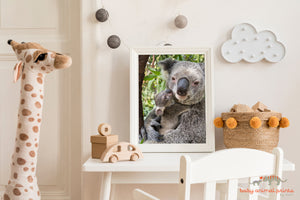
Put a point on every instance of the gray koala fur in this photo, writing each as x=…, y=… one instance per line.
x=184, y=120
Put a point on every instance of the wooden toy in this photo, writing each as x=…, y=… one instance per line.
x=102, y=141
x=241, y=108
x=259, y=107
x=104, y=129
x=258, y=129
x=121, y=151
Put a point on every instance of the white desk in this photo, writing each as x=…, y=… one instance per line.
x=154, y=168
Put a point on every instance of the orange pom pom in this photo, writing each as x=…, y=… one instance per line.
x=218, y=122
x=255, y=122
x=231, y=123
x=284, y=122
x=273, y=122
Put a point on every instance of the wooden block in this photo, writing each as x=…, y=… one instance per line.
x=100, y=143
x=241, y=108
x=267, y=110
x=259, y=107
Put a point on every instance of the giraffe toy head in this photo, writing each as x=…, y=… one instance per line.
x=35, y=58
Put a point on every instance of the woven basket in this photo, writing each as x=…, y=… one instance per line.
x=264, y=138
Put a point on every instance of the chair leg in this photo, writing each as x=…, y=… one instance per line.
x=209, y=191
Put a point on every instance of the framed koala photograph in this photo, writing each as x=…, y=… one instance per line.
x=171, y=99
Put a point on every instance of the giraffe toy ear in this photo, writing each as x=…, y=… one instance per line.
x=18, y=71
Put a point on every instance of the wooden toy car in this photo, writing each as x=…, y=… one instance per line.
x=121, y=151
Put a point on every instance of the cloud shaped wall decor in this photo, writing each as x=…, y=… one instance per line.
x=246, y=44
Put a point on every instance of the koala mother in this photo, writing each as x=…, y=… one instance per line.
x=187, y=82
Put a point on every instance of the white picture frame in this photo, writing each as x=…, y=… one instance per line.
x=209, y=146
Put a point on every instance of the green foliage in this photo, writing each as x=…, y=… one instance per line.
x=154, y=81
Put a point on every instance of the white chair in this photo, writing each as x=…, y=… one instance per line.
x=229, y=165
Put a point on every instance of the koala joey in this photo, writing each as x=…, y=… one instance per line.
x=184, y=120
x=153, y=120
x=163, y=100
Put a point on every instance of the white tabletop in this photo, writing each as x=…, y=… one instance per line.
x=152, y=162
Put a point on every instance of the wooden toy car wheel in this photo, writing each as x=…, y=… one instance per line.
x=134, y=157
x=113, y=159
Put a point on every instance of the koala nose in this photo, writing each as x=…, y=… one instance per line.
x=182, y=86
x=168, y=91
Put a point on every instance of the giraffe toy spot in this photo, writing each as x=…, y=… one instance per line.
x=30, y=179
x=15, y=175
x=6, y=197
x=17, y=192
x=39, y=80
x=33, y=95
x=35, y=129
x=25, y=169
x=31, y=119
x=19, y=125
x=23, y=137
x=18, y=185
x=28, y=58
x=21, y=161
x=32, y=154
x=23, y=76
x=17, y=150
x=22, y=101
x=28, y=144
x=38, y=104
x=28, y=87
x=26, y=112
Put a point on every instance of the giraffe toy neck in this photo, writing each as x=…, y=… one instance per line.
x=24, y=159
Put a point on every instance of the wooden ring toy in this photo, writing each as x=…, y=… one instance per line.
x=104, y=129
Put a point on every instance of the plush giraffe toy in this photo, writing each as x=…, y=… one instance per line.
x=34, y=62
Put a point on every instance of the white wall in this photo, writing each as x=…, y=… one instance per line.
x=105, y=71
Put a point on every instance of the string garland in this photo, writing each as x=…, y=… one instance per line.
x=114, y=41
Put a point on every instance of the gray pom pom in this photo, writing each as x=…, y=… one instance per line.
x=181, y=21
x=113, y=41
x=102, y=15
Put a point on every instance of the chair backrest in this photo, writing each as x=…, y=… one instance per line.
x=230, y=165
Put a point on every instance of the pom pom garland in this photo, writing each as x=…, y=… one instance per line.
x=255, y=122
x=218, y=122
x=113, y=41
x=284, y=122
x=273, y=122
x=231, y=123
x=181, y=21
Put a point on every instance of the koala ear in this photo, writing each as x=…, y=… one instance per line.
x=202, y=66
x=167, y=64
